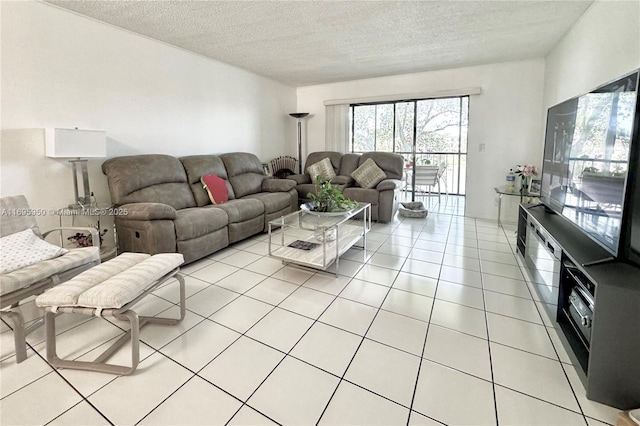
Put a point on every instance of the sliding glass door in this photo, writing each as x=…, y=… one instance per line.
x=424, y=131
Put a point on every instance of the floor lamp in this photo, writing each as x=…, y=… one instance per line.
x=299, y=116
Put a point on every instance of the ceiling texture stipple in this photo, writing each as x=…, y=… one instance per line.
x=302, y=43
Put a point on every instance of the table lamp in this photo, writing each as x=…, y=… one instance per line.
x=79, y=145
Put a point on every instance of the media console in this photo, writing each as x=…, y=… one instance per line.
x=594, y=300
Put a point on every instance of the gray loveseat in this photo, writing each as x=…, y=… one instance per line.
x=384, y=197
x=168, y=210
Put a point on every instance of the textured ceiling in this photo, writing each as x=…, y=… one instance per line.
x=310, y=42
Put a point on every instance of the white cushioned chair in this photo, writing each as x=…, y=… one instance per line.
x=32, y=280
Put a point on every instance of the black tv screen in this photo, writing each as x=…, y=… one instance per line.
x=588, y=144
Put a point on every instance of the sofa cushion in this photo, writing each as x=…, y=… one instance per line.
x=305, y=189
x=362, y=195
x=25, y=248
x=349, y=163
x=195, y=222
x=278, y=185
x=314, y=157
x=149, y=178
x=216, y=188
x=273, y=201
x=322, y=170
x=197, y=166
x=368, y=175
x=392, y=164
x=342, y=180
x=242, y=210
x=299, y=179
x=245, y=173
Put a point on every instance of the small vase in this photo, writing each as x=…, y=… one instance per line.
x=524, y=185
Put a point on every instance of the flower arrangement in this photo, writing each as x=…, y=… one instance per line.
x=525, y=171
x=82, y=240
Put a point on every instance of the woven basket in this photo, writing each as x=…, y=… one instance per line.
x=415, y=209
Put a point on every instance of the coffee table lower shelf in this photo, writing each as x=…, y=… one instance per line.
x=344, y=234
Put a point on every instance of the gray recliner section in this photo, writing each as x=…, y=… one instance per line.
x=384, y=198
x=168, y=210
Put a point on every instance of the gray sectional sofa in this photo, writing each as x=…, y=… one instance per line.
x=168, y=210
x=384, y=197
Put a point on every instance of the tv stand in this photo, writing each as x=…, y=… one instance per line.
x=594, y=299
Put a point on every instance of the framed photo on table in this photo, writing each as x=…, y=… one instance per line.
x=534, y=188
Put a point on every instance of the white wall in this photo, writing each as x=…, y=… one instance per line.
x=603, y=45
x=507, y=117
x=63, y=70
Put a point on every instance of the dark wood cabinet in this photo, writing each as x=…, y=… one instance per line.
x=594, y=299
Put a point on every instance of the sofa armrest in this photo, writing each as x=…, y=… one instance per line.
x=147, y=211
x=278, y=185
x=300, y=179
x=389, y=184
x=342, y=180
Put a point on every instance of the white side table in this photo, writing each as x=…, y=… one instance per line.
x=501, y=190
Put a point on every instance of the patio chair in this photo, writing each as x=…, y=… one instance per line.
x=428, y=176
x=442, y=176
x=35, y=278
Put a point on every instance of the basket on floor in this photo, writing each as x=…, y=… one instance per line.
x=414, y=209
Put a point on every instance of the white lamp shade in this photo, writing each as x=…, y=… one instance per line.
x=75, y=143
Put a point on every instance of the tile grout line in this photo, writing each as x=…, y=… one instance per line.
x=359, y=345
x=424, y=344
x=486, y=324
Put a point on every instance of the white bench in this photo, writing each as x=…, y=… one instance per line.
x=111, y=289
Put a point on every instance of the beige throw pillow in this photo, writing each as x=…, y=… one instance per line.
x=322, y=169
x=368, y=175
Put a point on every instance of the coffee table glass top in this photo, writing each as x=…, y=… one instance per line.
x=316, y=240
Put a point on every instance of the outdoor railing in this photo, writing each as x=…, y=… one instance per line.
x=456, y=167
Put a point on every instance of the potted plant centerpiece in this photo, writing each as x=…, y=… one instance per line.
x=329, y=199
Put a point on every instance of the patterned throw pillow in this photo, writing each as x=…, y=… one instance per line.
x=368, y=175
x=216, y=188
x=23, y=249
x=322, y=169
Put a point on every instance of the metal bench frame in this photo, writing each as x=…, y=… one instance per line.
x=125, y=312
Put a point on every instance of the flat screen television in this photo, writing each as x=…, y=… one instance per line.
x=590, y=168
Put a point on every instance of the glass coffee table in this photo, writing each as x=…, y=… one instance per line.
x=317, y=240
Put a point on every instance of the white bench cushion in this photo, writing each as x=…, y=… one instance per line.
x=28, y=275
x=112, y=284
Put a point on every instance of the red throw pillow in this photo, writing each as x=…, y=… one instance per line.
x=216, y=188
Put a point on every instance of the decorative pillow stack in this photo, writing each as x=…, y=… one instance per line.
x=368, y=175
x=322, y=169
x=24, y=249
x=216, y=188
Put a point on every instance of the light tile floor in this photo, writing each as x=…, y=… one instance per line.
x=433, y=324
